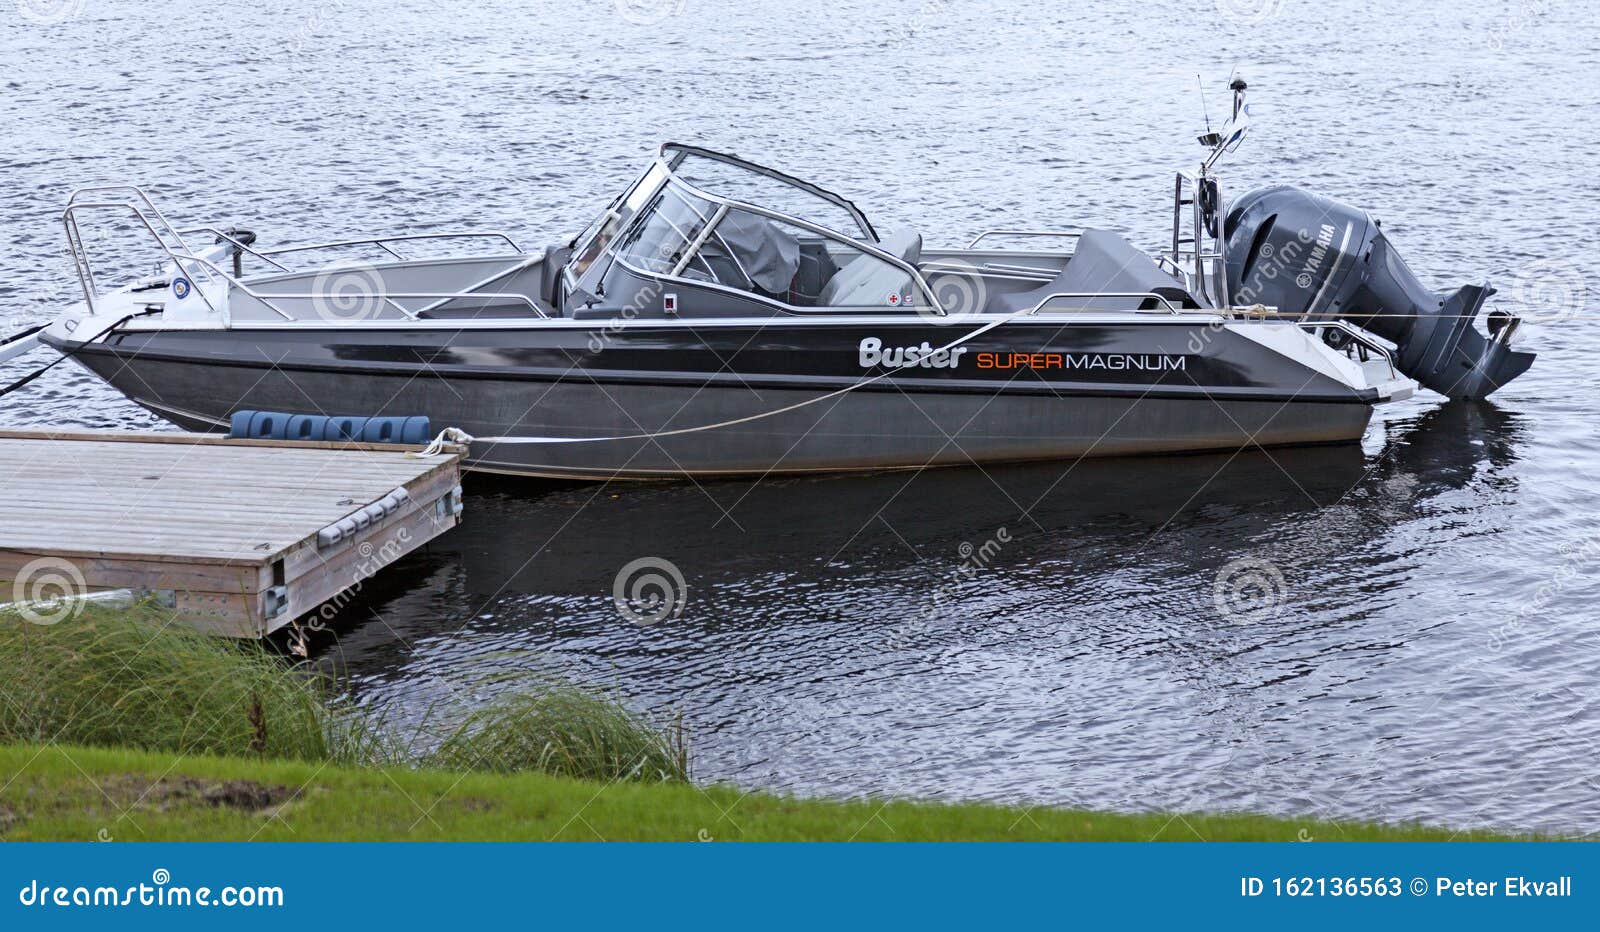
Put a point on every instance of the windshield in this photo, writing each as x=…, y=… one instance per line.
x=662, y=238
x=592, y=242
x=795, y=243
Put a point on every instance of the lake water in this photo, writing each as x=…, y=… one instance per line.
x=1427, y=641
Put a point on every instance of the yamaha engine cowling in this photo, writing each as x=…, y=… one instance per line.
x=1305, y=254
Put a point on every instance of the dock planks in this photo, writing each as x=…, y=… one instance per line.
x=226, y=531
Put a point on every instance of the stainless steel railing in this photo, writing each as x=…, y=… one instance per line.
x=1141, y=295
x=1357, y=336
x=159, y=229
x=382, y=242
x=172, y=244
x=1064, y=234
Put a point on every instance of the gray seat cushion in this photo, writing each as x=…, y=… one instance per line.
x=868, y=281
x=1103, y=263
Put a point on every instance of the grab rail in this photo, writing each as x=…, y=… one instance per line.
x=1071, y=234
x=1358, y=337
x=170, y=240
x=80, y=253
x=957, y=266
x=382, y=242
x=1142, y=295
x=1008, y=273
x=387, y=296
x=390, y=295
x=221, y=236
x=267, y=255
x=139, y=192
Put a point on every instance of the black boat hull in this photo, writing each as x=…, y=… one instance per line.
x=800, y=399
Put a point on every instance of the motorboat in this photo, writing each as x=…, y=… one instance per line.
x=720, y=317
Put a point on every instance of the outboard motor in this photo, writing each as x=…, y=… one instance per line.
x=1305, y=254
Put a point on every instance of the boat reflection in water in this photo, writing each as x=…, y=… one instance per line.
x=812, y=572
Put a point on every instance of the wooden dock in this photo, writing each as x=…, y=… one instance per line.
x=240, y=537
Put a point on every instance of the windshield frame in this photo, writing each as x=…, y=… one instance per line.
x=674, y=154
x=662, y=175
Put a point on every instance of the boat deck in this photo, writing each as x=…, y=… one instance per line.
x=241, y=537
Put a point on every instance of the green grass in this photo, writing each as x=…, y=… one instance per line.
x=121, y=678
x=70, y=793
x=565, y=731
x=129, y=679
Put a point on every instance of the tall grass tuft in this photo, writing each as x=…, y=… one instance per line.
x=566, y=731
x=121, y=678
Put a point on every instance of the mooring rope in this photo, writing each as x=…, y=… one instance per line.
x=454, y=435
x=23, y=334
x=65, y=354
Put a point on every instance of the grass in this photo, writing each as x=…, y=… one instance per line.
x=128, y=679
x=69, y=793
x=565, y=731
x=121, y=678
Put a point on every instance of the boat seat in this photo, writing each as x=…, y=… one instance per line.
x=1103, y=263
x=867, y=281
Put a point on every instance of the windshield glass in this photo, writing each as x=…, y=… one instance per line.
x=592, y=242
x=667, y=229
x=683, y=235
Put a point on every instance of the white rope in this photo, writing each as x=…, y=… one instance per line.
x=448, y=436
x=455, y=435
